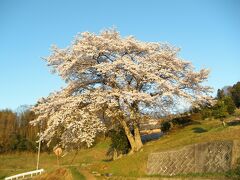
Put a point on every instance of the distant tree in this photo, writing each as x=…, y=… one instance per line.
x=206, y=112
x=8, y=128
x=228, y=101
x=25, y=129
x=220, y=93
x=220, y=111
x=235, y=94
x=16, y=133
x=125, y=77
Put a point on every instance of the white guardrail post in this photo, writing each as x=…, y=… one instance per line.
x=26, y=174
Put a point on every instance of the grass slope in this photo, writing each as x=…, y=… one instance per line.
x=94, y=159
x=135, y=165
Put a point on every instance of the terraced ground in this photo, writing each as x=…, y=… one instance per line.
x=93, y=162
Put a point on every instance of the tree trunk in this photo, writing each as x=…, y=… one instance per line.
x=115, y=155
x=137, y=137
x=135, y=141
x=129, y=135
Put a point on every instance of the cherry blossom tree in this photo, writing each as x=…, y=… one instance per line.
x=122, y=77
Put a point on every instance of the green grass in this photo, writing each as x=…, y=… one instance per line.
x=95, y=159
x=135, y=165
x=76, y=174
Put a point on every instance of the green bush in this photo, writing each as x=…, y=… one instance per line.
x=206, y=113
x=165, y=126
x=228, y=101
x=220, y=110
x=119, y=141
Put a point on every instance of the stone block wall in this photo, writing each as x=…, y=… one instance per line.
x=216, y=156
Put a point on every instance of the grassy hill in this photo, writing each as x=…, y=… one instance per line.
x=95, y=159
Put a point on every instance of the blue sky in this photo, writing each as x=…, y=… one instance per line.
x=207, y=31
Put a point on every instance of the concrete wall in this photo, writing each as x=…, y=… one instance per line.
x=216, y=156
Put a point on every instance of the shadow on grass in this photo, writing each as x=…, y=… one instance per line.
x=234, y=123
x=107, y=160
x=150, y=137
x=199, y=130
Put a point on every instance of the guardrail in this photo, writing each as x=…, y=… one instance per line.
x=25, y=175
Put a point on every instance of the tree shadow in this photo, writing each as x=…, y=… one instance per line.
x=233, y=123
x=182, y=122
x=107, y=160
x=149, y=137
x=199, y=130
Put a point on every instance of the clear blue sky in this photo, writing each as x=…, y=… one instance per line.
x=208, y=31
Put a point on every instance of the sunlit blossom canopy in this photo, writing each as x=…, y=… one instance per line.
x=118, y=74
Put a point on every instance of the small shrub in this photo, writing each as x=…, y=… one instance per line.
x=119, y=141
x=182, y=121
x=206, y=113
x=195, y=116
x=237, y=113
x=165, y=126
x=220, y=110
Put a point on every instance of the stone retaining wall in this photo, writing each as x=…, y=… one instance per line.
x=216, y=156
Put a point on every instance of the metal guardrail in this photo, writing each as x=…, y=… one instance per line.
x=25, y=175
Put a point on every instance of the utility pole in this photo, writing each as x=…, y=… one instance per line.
x=39, y=146
x=38, y=157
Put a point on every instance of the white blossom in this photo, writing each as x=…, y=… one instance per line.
x=107, y=70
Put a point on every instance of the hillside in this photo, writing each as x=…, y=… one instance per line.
x=94, y=160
